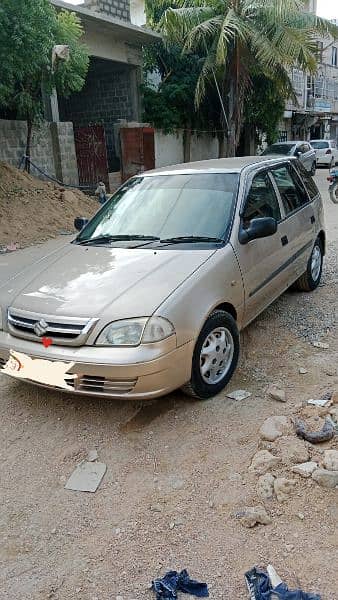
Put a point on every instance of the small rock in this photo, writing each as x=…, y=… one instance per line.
x=119, y=598
x=300, y=516
x=305, y=469
x=53, y=531
x=283, y=488
x=321, y=345
x=171, y=525
x=327, y=479
x=263, y=461
x=253, y=516
x=292, y=450
x=92, y=456
x=277, y=394
x=273, y=427
x=176, y=482
x=302, y=371
x=334, y=398
x=156, y=508
x=331, y=460
x=239, y=395
x=265, y=486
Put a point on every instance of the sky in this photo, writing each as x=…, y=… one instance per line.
x=328, y=9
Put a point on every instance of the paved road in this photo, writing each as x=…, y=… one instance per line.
x=177, y=472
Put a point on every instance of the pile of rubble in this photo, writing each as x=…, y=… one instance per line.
x=284, y=458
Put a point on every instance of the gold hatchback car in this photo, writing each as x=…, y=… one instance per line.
x=152, y=293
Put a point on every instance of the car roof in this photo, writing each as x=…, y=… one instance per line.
x=322, y=140
x=219, y=165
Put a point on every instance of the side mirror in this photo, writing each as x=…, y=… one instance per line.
x=258, y=228
x=80, y=223
x=298, y=153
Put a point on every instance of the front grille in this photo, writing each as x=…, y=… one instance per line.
x=68, y=331
x=93, y=384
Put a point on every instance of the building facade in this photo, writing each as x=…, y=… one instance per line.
x=315, y=115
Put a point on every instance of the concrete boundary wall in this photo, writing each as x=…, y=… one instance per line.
x=53, y=148
x=169, y=148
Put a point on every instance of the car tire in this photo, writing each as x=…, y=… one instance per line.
x=310, y=280
x=220, y=335
x=313, y=169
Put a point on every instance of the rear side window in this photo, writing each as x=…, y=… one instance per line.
x=307, y=180
x=320, y=145
x=290, y=188
x=261, y=200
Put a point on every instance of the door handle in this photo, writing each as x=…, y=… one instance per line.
x=284, y=240
x=313, y=219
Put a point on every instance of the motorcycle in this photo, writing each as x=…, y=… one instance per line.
x=333, y=189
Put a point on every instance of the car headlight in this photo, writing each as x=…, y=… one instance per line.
x=132, y=332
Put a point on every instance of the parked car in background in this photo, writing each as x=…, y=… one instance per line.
x=326, y=152
x=301, y=150
x=152, y=293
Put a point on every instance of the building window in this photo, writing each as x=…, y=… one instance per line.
x=282, y=136
x=298, y=81
x=334, y=58
x=330, y=88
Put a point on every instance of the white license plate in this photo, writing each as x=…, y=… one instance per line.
x=39, y=370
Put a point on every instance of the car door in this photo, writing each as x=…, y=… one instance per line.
x=298, y=223
x=260, y=259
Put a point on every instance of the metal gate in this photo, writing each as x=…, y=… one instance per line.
x=91, y=154
x=137, y=150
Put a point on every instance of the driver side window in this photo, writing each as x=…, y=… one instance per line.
x=261, y=200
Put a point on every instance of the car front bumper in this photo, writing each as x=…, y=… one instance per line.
x=140, y=373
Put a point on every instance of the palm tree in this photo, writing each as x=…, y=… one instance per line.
x=240, y=38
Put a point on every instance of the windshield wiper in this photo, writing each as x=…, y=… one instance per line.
x=103, y=239
x=195, y=239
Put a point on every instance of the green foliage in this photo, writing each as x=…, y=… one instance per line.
x=29, y=29
x=264, y=106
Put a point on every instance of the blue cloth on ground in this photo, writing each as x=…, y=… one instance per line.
x=173, y=582
x=260, y=588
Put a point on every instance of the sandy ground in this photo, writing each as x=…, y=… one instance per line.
x=54, y=208
x=177, y=473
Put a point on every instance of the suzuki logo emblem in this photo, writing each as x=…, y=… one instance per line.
x=40, y=328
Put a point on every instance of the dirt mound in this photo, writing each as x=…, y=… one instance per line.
x=32, y=210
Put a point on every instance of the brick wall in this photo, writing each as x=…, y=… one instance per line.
x=13, y=145
x=105, y=98
x=112, y=8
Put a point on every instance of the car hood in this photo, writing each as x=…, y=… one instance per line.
x=86, y=281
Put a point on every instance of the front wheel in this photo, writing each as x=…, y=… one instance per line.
x=215, y=356
x=334, y=193
x=310, y=280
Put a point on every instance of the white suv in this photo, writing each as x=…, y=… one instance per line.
x=326, y=152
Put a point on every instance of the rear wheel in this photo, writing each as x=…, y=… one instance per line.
x=310, y=280
x=334, y=193
x=215, y=356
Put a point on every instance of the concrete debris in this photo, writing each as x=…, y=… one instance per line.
x=277, y=394
x=250, y=517
x=86, y=477
x=292, y=450
x=239, y=395
x=302, y=371
x=315, y=437
x=305, y=469
x=323, y=401
x=283, y=488
x=300, y=516
x=273, y=427
x=92, y=456
x=265, y=486
x=327, y=479
x=321, y=345
x=263, y=461
x=331, y=460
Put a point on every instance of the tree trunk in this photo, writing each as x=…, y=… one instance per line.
x=187, y=144
x=28, y=144
x=221, y=144
x=231, y=145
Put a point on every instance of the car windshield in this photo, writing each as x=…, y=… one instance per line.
x=167, y=206
x=282, y=149
x=319, y=145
